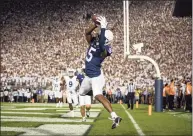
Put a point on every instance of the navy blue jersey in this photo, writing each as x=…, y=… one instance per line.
x=94, y=58
x=80, y=78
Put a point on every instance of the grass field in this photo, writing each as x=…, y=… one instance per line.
x=45, y=119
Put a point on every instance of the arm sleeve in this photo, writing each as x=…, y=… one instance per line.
x=102, y=40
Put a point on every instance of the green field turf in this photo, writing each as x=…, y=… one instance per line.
x=165, y=123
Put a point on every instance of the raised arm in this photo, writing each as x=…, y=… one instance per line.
x=88, y=32
x=104, y=37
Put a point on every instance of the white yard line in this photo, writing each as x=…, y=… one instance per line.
x=41, y=119
x=76, y=113
x=33, y=113
x=50, y=129
x=47, y=108
x=139, y=131
x=91, y=110
x=42, y=104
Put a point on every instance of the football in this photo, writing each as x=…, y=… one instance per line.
x=94, y=19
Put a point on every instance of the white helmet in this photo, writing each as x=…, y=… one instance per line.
x=70, y=72
x=108, y=36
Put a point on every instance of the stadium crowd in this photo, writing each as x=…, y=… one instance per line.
x=41, y=38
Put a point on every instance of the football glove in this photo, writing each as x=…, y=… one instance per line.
x=103, y=22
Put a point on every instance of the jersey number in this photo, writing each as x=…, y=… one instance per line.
x=90, y=55
x=70, y=84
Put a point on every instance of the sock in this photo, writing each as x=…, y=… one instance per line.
x=113, y=115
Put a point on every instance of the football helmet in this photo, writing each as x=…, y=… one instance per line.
x=108, y=36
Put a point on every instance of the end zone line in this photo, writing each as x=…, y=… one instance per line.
x=139, y=131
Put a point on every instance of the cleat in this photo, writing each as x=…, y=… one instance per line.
x=84, y=119
x=70, y=114
x=87, y=114
x=116, y=122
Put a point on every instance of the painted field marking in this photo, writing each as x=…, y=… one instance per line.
x=91, y=110
x=43, y=104
x=139, y=131
x=57, y=109
x=76, y=113
x=51, y=129
x=40, y=119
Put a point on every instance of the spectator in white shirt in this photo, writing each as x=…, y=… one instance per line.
x=2, y=96
x=15, y=95
x=25, y=91
x=6, y=95
x=20, y=95
x=28, y=93
x=10, y=94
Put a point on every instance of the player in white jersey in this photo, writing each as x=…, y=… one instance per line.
x=56, y=83
x=71, y=88
x=56, y=88
x=58, y=96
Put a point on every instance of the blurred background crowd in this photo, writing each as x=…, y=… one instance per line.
x=39, y=39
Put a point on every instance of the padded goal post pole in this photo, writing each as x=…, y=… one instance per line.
x=159, y=95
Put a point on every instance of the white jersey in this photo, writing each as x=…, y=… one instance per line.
x=56, y=83
x=71, y=83
x=58, y=94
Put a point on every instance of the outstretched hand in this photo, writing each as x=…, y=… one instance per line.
x=103, y=22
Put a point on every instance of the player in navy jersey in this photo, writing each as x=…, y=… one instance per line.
x=98, y=50
x=80, y=76
x=84, y=101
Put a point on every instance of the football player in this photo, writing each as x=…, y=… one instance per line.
x=99, y=48
x=84, y=101
x=56, y=88
x=72, y=85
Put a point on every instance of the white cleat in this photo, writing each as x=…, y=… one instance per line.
x=72, y=113
x=84, y=119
